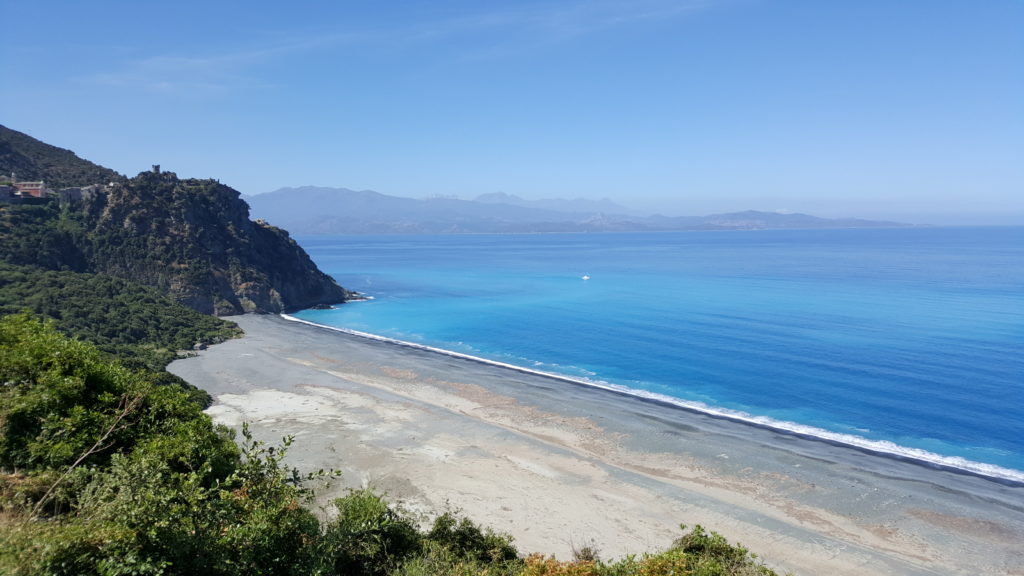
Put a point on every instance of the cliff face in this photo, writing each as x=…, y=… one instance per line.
x=191, y=238
x=194, y=239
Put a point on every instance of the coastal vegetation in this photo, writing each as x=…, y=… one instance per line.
x=140, y=325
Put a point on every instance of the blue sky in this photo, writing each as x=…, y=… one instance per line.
x=910, y=110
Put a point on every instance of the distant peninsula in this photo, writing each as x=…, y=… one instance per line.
x=316, y=210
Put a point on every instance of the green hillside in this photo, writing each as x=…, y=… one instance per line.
x=29, y=159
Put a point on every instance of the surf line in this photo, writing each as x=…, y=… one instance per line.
x=883, y=448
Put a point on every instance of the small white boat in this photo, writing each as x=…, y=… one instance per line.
x=585, y=277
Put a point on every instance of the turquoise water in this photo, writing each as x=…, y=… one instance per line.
x=908, y=341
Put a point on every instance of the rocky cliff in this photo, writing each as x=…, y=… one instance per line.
x=194, y=238
x=191, y=238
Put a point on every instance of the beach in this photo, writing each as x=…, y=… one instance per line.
x=560, y=465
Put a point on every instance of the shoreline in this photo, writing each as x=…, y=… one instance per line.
x=562, y=466
x=883, y=448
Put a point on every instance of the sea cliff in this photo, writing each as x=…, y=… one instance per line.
x=195, y=238
x=191, y=238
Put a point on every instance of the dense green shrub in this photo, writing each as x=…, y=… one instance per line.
x=468, y=541
x=139, y=325
x=146, y=482
x=696, y=553
x=138, y=516
x=65, y=407
x=713, y=554
x=369, y=537
x=65, y=404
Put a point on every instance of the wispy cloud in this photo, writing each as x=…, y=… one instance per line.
x=175, y=75
x=208, y=75
x=199, y=77
x=496, y=34
x=544, y=23
x=486, y=34
x=584, y=18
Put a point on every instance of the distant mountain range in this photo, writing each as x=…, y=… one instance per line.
x=315, y=210
x=577, y=206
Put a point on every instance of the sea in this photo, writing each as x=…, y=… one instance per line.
x=901, y=341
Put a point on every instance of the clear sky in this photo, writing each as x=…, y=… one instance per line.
x=903, y=109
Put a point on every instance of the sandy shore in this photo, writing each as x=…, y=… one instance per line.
x=559, y=465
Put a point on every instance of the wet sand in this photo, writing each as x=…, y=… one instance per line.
x=559, y=465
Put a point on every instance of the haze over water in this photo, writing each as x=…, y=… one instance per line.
x=895, y=339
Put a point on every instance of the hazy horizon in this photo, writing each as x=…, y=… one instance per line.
x=916, y=218
x=910, y=111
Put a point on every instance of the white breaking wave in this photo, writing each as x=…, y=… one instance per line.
x=882, y=447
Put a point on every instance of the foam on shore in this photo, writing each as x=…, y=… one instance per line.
x=879, y=447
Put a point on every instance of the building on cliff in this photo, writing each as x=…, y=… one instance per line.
x=31, y=189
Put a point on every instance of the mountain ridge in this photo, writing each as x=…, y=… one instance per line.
x=322, y=210
x=26, y=158
x=575, y=205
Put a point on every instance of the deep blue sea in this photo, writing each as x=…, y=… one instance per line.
x=902, y=340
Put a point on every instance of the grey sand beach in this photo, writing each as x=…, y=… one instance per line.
x=561, y=465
